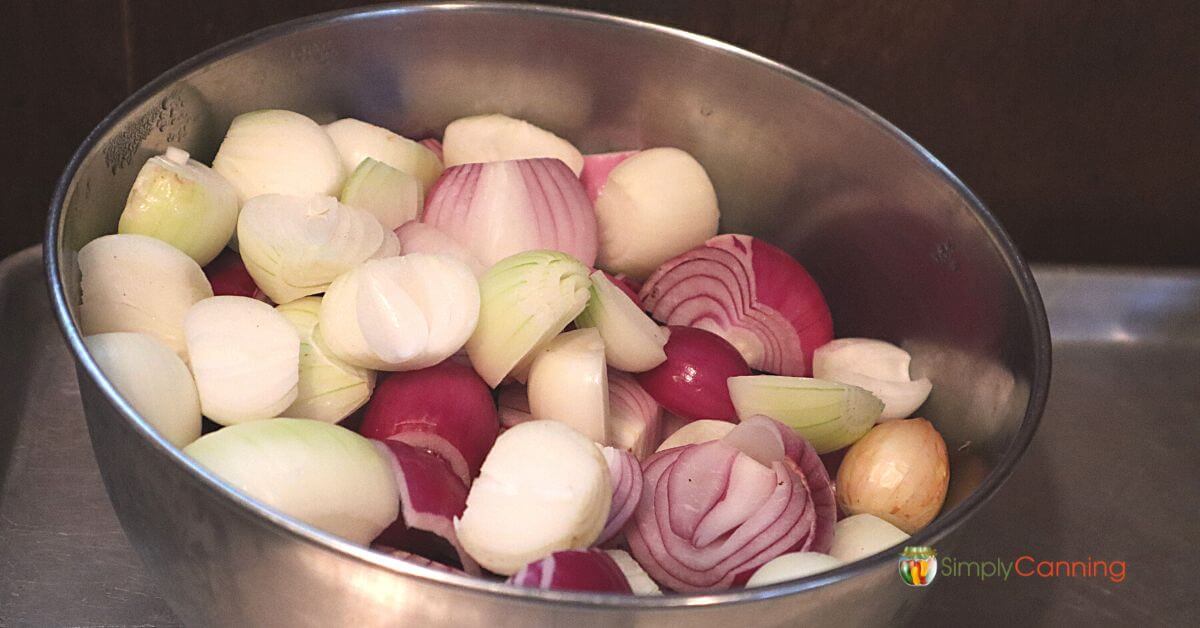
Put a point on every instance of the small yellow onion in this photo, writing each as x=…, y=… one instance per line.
x=329, y=389
x=898, y=472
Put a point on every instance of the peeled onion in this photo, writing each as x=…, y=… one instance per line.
x=625, y=474
x=632, y=342
x=321, y=474
x=792, y=566
x=329, y=389
x=391, y=196
x=400, y=313
x=634, y=417
x=183, y=203
x=152, y=378
x=750, y=293
x=357, y=140
x=877, y=366
x=827, y=414
x=859, y=536
x=898, y=472
x=652, y=207
x=419, y=237
x=273, y=151
x=692, y=381
x=568, y=382
x=140, y=284
x=245, y=357
x=574, y=570
x=697, y=432
x=497, y=137
x=639, y=581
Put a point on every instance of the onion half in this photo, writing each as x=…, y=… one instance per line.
x=827, y=414
x=877, y=366
x=632, y=342
x=497, y=137
x=273, y=151
x=574, y=570
x=568, y=382
x=634, y=417
x=393, y=197
x=692, y=382
x=357, y=141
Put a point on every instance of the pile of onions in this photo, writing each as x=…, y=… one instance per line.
x=749, y=292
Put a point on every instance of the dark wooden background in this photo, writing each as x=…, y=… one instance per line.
x=1077, y=121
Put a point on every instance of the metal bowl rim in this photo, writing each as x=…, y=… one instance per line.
x=945, y=523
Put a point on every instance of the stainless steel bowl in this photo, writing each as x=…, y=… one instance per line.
x=903, y=250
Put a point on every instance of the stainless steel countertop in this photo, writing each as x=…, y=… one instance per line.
x=1112, y=474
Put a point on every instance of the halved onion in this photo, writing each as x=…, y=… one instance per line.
x=497, y=137
x=632, y=342
x=152, y=378
x=273, y=151
x=502, y=208
x=140, y=284
x=750, y=293
x=568, y=382
x=183, y=203
x=357, y=140
x=392, y=196
x=859, y=536
x=692, y=382
x=827, y=414
x=625, y=473
x=295, y=246
x=321, y=474
x=419, y=237
x=400, y=313
x=639, y=581
x=697, y=432
x=329, y=389
x=574, y=570
x=634, y=417
x=877, y=366
x=245, y=358
x=525, y=301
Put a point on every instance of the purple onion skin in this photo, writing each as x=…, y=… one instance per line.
x=574, y=570
x=692, y=383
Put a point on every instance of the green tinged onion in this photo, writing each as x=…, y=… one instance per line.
x=828, y=414
x=329, y=389
x=632, y=341
x=392, y=196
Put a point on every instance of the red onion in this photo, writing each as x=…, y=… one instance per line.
x=711, y=514
x=228, y=276
x=574, y=570
x=435, y=145
x=431, y=496
x=512, y=403
x=596, y=169
x=692, y=382
x=501, y=208
x=634, y=417
x=444, y=408
x=416, y=559
x=626, y=475
x=751, y=293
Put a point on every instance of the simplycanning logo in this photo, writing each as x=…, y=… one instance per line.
x=920, y=565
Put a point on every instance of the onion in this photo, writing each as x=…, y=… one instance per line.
x=639, y=581
x=512, y=403
x=692, y=382
x=444, y=408
x=502, y=208
x=295, y=246
x=431, y=496
x=357, y=141
x=596, y=169
x=632, y=342
x=434, y=145
x=228, y=277
x=629, y=286
x=710, y=515
x=877, y=366
x=279, y=152
x=859, y=536
x=329, y=389
x=568, y=382
x=898, y=472
x=634, y=417
x=544, y=487
x=400, y=313
x=525, y=301
x=321, y=474
x=183, y=203
x=245, y=358
x=749, y=292
x=792, y=566
x=697, y=432
x=140, y=284
x=654, y=206
x=418, y=237
x=416, y=559
x=827, y=414
x=498, y=137
x=152, y=378
x=574, y=570
x=626, y=476
x=391, y=196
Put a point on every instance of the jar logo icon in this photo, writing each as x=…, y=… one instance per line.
x=918, y=566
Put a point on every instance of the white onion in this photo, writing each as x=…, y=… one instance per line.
x=697, y=432
x=140, y=284
x=568, y=382
x=245, y=358
x=183, y=203
x=877, y=366
x=543, y=487
x=632, y=341
x=329, y=389
x=791, y=566
x=419, y=237
x=152, y=378
x=321, y=474
x=279, y=152
x=859, y=536
x=654, y=206
x=497, y=137
x=827, y=414
x=400, y=313
x=391, y=196
x=357, y=140
x=295, y=246
x=639, y=580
